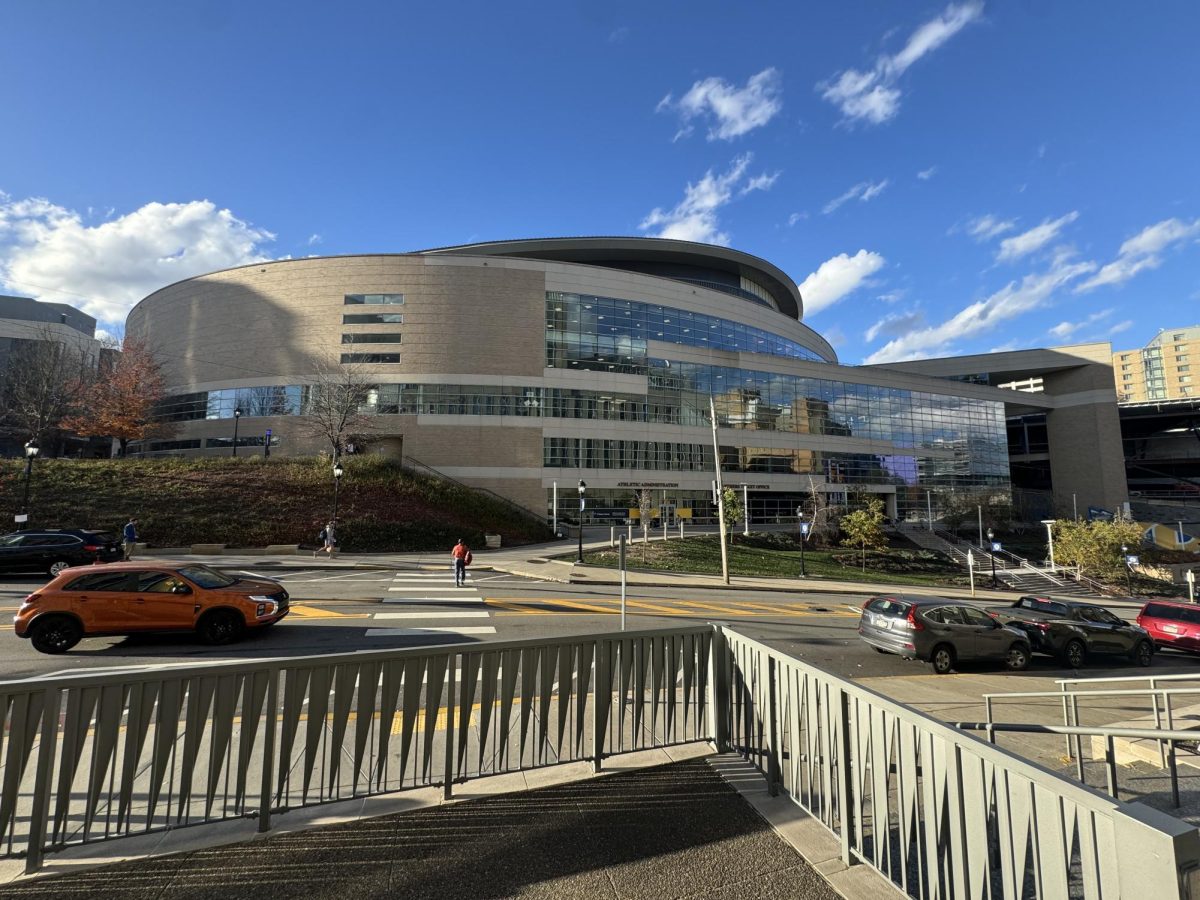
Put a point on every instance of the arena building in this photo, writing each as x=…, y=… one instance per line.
x=527, y=366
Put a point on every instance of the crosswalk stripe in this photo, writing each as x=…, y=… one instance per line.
x=417, y=601
x=434, y=614
x=416, y=632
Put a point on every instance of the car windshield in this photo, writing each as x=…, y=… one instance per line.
x=206, y=577
x=10, y=540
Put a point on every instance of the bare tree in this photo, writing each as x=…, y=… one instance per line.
x=43, y=384
x=645, y=502
x=333, y=406
x=824, y=516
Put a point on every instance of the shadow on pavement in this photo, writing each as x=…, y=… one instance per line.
x=672, y=831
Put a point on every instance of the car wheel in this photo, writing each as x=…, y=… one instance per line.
x=57, y=567
x=55, y=634
x=1017, y=659
x=1075, y=654
x=942, y=659
x=221, y=627
x=879, y=650
x=1143, y=653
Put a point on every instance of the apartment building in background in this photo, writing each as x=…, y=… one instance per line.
x=1165, y=369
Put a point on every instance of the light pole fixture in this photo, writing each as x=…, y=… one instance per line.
x=31, y=452
x=992, y=552
x=1049, y=523
x=338, y=472
x=1128, y=569
x=237, y=417
x=582, y=491
x=803, y=538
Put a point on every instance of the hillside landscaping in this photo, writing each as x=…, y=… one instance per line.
x=252, y=502
x=777, y=555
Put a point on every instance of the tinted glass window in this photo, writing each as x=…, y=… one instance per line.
x=370, y=357
x=952, y=615
x=972, y=616
x=56, y=540
x=374, y=299
x=888, y=607
x=934, y=615
x=157, y=582
x=105, y=581
x=373, y=319
x=206, y=577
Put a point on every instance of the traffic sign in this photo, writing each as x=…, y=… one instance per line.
x=1131, y=560
x=995, y=546
x=805, y=527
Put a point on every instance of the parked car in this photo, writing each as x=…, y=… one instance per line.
x=943, y=632
x=132, y=597
x=51, y=550
x=1073, y=630
x=1174, y=625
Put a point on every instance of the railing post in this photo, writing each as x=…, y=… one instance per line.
x=773, y=732
x=602, y=701
x=1110, y=765
x=448, y=760
x=845, y=785
x=720, y=701
x=42, y=786
x=271, y=715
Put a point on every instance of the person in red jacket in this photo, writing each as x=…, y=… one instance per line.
x=461, y=554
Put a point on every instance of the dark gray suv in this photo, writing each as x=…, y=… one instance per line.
x=940, y=631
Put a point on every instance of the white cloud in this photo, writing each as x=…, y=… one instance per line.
x=761, y=182
x=1121, y=326
x=872, y=96
x=895, y=325
x=837, y=277
x=864, y=191
x=1014, y=299
x=1064, y=330
x=734, y=111
x=796, y=217
x=694, y=218
x=47, y=251
x=1142, y=251
x=314, y=239
x=926, y=174
x=987, y=227
x=893, y=296
x=1034, y=239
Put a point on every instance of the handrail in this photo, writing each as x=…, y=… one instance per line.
x=437, y=473
x=1151, y=678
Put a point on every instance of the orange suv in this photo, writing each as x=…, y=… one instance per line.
x=132, y=597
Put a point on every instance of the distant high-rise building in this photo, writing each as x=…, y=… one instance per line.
x=1162, y=370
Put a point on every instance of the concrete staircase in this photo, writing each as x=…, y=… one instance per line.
x=1015, y=573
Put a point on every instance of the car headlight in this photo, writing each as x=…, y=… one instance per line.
x=266, y=606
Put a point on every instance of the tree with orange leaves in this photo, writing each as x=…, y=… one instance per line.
x=124, y=401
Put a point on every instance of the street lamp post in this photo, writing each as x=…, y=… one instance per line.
x=1128, y=569
x=338, y=472
x=803, y=539
x=992, y=552
x=582, y=490
x=1049, y=523
x=31, y=452
x=237, y=417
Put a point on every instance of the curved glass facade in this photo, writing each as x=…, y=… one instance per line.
x=609, y=335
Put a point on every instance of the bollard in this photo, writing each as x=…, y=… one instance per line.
x=612, y=536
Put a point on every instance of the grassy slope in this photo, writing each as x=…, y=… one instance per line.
x=252, y=502
x=702, y=555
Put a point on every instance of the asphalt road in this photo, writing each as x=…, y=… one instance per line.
x=339, y=611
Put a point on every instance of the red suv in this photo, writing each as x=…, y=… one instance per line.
x=1173, y=625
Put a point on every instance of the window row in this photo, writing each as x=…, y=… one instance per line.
x=370, y=358
x=373, y=299
x=372, y=338
x=373, y=319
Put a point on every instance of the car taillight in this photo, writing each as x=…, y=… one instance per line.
x=911, y=618
x=1041, y=626
x=995, y=616
x=92, y=548
x=32, y=598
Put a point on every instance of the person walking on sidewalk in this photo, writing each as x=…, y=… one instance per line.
x=461, y=554
x=129, y=535
x=328, y=539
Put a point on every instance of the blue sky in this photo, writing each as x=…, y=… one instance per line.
x=938, y=178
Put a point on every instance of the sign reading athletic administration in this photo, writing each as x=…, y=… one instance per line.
x=1096, y=514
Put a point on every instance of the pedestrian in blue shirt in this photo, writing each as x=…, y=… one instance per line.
x=130, y=534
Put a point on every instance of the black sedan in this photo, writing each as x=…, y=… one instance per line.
x=51, y=550
x=1073, y=630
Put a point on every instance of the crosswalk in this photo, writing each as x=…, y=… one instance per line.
x=702, y=609
x=432, y=597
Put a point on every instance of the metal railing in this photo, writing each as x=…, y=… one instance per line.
x=938, y=812
x=95, y=757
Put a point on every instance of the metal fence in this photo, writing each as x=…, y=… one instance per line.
x=939, y=813
x=88, y=758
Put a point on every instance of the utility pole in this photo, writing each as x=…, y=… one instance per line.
x=712, y=411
